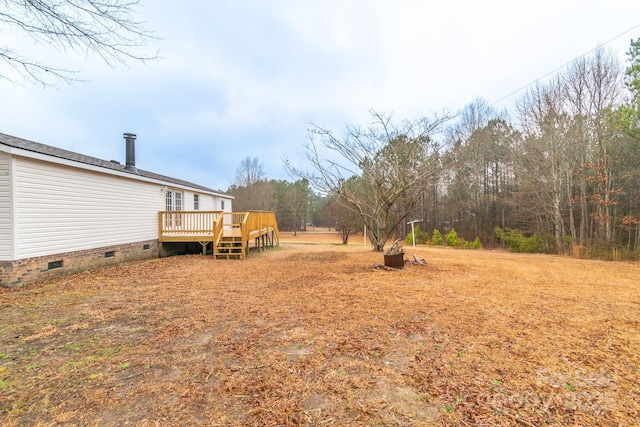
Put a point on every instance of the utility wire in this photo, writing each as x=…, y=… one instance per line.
x=565, y=65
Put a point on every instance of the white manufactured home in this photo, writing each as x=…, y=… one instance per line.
x=62, y=212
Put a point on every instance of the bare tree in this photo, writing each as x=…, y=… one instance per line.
x=251, y=189
x=592, y=86
x=547, y=128
x=575, y=94
x=296, y=200
x=249, y=173
x=260, y=196
x=605, y=83
x=390, y=163
x=474, y=116
x=105, y=28
x=343, y=218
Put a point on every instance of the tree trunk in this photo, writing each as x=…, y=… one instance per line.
x=584, y=215
x=558, y=225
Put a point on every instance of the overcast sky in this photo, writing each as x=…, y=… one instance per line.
x=245, y=78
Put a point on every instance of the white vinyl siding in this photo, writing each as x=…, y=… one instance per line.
x=207, y=202
x=224, y=204
x=62, y=209
x=6, y=223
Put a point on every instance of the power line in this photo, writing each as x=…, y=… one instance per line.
x=563, y=66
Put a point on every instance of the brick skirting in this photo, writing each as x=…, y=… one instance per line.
x=24, y=271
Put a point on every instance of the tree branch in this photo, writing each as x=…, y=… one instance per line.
x=102, y=28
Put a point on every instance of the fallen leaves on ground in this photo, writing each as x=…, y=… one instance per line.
x=311, y=334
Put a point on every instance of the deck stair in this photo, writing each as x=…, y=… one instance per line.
x=230, y=244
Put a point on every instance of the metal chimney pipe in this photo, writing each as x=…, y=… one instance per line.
x=130, y=164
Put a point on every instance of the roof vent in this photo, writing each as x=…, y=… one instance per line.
x=130, y=164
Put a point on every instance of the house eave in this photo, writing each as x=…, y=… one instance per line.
x=117, y=170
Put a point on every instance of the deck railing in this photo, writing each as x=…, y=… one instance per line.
x=187, y=223
x=180, y=222
x=217, y=230
x=259, y=221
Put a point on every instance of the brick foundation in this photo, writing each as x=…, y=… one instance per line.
x=22, y=272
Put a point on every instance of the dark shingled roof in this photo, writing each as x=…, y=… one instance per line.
x=36, y=147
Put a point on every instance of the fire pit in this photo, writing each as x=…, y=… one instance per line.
x=394, y=256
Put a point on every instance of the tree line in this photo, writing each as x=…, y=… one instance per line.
x=559, y=173
x=563, y=167
x=561, y=170
x=292, y=202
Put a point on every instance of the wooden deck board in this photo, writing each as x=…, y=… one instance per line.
x=261, y=232
x=231, y=232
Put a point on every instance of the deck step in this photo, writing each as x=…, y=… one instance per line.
x=230, y=247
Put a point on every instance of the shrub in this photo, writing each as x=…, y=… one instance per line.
x=518, y=242
x=437, y=238
x=535, y=243
x=453, y=239
x=421, y=236
x=409, y=238
x=476, y=244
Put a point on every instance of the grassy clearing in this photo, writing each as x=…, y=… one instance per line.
x=314, y=335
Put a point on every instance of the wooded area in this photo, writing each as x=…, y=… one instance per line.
x=563, y=169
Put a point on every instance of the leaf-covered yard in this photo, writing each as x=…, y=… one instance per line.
x=311, y=334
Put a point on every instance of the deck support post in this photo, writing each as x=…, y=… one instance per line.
x=204, y=247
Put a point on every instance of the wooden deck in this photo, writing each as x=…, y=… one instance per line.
x=229, y=233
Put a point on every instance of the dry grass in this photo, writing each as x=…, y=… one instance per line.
x=310, y=333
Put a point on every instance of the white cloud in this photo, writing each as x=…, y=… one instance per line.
x=244, y=78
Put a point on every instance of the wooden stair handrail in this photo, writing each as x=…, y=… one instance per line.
x=217, y=230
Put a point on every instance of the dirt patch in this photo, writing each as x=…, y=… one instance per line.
x=311, y=334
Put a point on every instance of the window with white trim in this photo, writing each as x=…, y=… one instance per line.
x=222, y=205
x=196, y=202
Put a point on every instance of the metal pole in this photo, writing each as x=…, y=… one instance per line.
x=365, y=236
x=413, y=234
